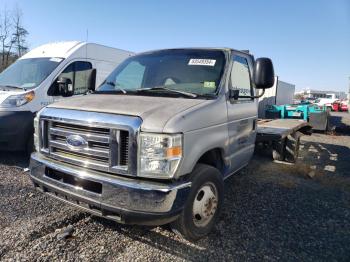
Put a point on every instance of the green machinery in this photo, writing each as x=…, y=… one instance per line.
x=318, y=117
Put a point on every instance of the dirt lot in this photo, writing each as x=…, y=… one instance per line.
x=272, y=211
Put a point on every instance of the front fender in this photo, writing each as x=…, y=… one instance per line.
x=198, y=142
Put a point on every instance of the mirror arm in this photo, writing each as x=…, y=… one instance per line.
x=258, y=96
x=252, y=97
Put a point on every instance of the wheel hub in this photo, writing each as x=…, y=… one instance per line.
x=205, y=205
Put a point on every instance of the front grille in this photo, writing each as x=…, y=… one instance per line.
x=106, y=149
x=124, y=144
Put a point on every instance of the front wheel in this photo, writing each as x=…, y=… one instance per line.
x=203, y=205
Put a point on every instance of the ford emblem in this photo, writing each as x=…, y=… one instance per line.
x=76, y=142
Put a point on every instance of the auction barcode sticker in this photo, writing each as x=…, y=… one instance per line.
x=203, y=62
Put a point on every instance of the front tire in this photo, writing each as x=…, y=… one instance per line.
x=204, y=204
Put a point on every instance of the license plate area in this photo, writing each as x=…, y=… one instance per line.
x=76, y=182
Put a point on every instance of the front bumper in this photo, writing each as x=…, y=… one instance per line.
x=125, y=200
x=15, y=129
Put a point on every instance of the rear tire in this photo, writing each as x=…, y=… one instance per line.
x=292, y=147
x=204, y=204
x=278, y=149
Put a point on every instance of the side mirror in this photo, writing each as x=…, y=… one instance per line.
x=65, y=87
x=92, y=80
x=233, y=94
x=264, y=75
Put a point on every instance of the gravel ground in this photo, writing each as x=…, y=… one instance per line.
x=272, y=211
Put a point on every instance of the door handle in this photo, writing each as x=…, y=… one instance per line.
x=254, y=124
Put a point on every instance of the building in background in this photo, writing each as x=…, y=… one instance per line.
x=314, y=94
x=280, y=94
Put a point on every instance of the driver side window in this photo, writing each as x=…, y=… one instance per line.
x=240, y=77
x=78, y=73
x=81, y=77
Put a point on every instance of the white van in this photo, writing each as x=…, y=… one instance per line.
x=327, y=101
x=35, y=80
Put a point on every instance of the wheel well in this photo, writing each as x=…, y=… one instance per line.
x=213, y=157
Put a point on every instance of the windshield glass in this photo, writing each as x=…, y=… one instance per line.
x=28, y=73
x=193, y=71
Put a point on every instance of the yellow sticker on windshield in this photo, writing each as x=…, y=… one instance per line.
x=208, y=84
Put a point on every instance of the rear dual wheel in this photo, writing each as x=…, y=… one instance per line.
x=203, y=205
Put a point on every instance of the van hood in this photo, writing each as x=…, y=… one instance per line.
x=154, y=111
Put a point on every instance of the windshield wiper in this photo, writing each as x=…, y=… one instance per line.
x=167, y=89
x=17, y=87
x=115, y=85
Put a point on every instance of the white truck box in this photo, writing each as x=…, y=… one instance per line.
x=281, y=93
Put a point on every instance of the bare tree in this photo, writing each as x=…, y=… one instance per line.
x=5, y=36
x=20, y=33
x=12, y=36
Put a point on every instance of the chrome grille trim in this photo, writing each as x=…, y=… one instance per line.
x=102, y=132
x=89, y=164
x=90, y=137
x=85, y=151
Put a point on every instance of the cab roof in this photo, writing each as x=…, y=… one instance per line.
x=225, y=49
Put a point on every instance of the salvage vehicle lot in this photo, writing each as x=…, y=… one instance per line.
x=272, y=211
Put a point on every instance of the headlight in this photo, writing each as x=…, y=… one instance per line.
x=36, y=133
x=18, y=100
x=159, y=155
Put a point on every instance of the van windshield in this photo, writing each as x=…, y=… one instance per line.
x=191, y=72
x=28, y=73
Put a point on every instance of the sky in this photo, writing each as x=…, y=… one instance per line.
x=308, y=41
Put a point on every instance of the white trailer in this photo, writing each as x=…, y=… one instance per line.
x=281, y=93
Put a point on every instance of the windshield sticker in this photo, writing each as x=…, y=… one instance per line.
x=203, y=62
x=56, y=59
x=208, y=84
